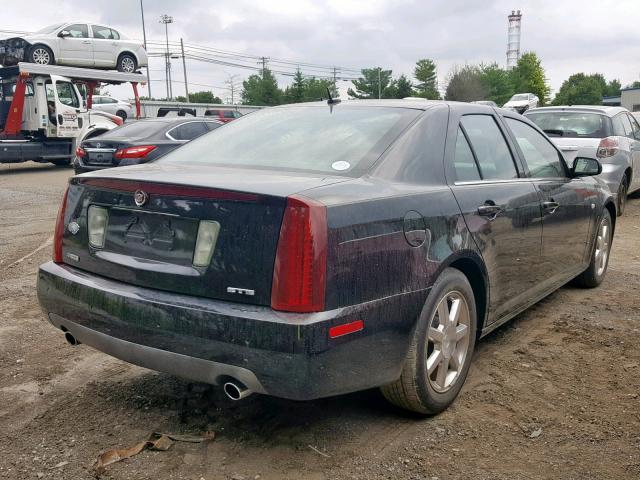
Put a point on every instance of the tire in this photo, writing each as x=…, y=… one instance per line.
x=127, y=63
x=61, y=163
x=623, y=190
x=597, y=269
x=429, y=393
x=122, y=114
x=41, y=55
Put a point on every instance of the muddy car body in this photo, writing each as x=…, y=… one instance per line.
x=309, y=251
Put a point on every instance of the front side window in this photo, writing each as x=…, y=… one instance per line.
x=542, y=159
x=67, y=95
x=492, y=152
x=78, y=30
x=464, y=162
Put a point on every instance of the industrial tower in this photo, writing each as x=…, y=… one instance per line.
x=513, y=40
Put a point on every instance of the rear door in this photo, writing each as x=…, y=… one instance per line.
x=634, y=147
x=105, y=46
x=76, y=49
x=500, y=207
x=567, y=204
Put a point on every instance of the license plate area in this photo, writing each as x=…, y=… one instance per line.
x=152, y=236
x=100, y=156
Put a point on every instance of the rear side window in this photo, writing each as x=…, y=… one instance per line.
x=211, y=125
x=188, y=131
x=228, y=114
x=115, y=35
x=542, y=159
x=464, y=162
x=104, y=33
x=618, y=127
x=626, y=125
x=491, y=149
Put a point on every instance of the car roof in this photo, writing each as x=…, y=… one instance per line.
x=409, y=102
x=609, y=111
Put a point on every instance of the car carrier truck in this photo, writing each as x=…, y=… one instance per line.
x=43, y=116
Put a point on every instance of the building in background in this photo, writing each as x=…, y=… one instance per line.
x=513, y=38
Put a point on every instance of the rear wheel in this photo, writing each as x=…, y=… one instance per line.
x=622, y=195
x=127, y=63
x=440, y=353
x=122, y=114
x=41, y=55
x=594, y=274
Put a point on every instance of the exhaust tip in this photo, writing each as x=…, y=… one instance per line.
x=71, y=340
x=236, y=392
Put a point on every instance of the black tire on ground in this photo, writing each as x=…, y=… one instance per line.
x=61, y=163
x=41, y=54
x=622, y=194
x=122, y=114
x=127, y=63
x=417, y=389
x=597, y=269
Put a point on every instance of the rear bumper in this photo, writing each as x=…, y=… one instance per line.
x=281, y=354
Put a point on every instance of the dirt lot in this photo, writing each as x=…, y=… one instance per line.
x=553, y=394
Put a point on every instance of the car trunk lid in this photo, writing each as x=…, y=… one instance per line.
x=573, y=147
x=151, y=239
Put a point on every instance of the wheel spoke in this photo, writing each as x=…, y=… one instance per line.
x=443, y=369
x=454, y=313
x=434, y=360
x=455, y=360
x=435, y=335
x=461, y=332
x=443, y=311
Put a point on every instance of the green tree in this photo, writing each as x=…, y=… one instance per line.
x=295, y=92
x=261, y=90
x=528, y=77
x=368, y=86
x=497, y=82
x=635, y=84
x=613, y=88
x=464, y=84
x=316, y=88
x=581, y=89
x=204, y=96
x=403, y=87
x=427, y=77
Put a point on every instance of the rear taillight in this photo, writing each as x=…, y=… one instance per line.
x=135, y=152
x=299, y=273
x=608, y=147
x=59, y=231
x=81, y=152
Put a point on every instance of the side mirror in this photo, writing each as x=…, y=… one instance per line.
x=586, y=167
x=64, y=33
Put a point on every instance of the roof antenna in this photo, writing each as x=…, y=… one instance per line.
x=332, y=101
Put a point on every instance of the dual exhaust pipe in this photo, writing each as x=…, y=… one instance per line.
x=234, y=390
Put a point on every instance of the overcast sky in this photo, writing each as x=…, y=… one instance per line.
x=569, y=35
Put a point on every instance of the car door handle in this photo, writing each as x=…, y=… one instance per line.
x=550, y=207
x=87, y=42
x=490, y=211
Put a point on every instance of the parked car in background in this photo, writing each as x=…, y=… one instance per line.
x=274, y=256
x=112, y=105
x=521, y=102
x=78, y=44
x=223, y=115
x=489, y=103
x=139, y=142
x=611, y=134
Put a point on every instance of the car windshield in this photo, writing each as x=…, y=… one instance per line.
x=519, y=97
x=50, y=28
x=141, y=129
x=345, y=140
x=572, y=124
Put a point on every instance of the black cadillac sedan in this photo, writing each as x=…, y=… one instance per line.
x=139, y=142
x=312, y=250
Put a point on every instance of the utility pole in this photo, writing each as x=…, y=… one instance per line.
x=379, y=84
x=144, y=36
x=167, y=19
x=264, y=61
x=184, y=68
x=231, y=81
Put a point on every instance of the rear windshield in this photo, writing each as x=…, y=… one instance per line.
x=572, y=124
x=139, y=129
x=345, y=141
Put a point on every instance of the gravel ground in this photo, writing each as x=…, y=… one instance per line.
x=552, y=394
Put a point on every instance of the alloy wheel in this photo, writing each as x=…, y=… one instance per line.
x=622, y=197
x=447, y=341
x=127, y=64
x=41, y=56
x=602, y=246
